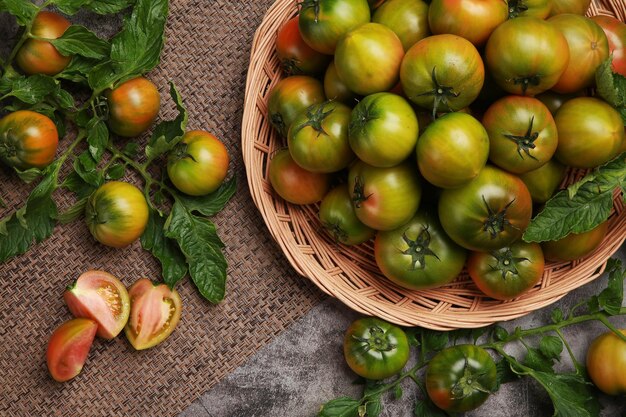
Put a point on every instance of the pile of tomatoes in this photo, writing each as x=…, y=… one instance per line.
x=436, y=129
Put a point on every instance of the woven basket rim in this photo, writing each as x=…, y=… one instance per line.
x=313, y=255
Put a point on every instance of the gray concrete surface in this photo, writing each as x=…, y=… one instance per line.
x=304, y=367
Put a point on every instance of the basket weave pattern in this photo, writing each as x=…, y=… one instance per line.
x=350, y=273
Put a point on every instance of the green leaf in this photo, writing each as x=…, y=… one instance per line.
x=28, y=175
x=164, y=249
x=77, y=185
x=74, y=212
x=131, y=150
x=213, y=203
x=109, y=6
x=340, y=407
x=374, y=408
x=570, y=394
x=426, y=408
x=115, y=172
x=78, y=40
x=551, y=347
x=24, y=11
x=500, y=333
x=32, y=223
x=610, y=299
x=78, y=69
x=556, y=316
x=535, y=359
x=97, y=139
x=590, y=206
x=504, y=374
x=611, y=86
x=167, y=134
x=65, y=99
x=85, y=167
x=397, y=392
x=202, y=247
x=33, y=89
x=433, y=340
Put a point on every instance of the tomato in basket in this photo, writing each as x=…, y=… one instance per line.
x=407, y=18
x=294, y=183
x=336, y=89
x=296, y=57
x=615, y=32
x=531, y=8
x=339, y=219
x=575, y=245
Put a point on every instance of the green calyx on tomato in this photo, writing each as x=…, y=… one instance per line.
x=506, y=263
x=441, y=95
x=375, y=349
x=339, y=219
x=525, y=142
x=418, y=249
x=496, y=221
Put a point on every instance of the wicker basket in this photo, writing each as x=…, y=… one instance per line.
x=350, y=273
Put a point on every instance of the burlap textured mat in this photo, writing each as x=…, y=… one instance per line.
x=206, y=55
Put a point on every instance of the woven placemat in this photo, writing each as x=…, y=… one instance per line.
x=206, y=55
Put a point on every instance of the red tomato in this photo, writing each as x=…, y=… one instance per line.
x=133, y=106
x=615, y=32
x=294, y=183
x=68, y=348
x=575, y=245
x=99, y=296
x=27, y=140
x=41, y=57
x=296, y=57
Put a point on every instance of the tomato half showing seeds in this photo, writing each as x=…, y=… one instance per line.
x=461, y=378
x=526, y=55
x=296, y=57
x=154, y=313
x=383, y=129
x=452, y=150
x=615, y=32
x=291, y=96
x=508, y=272
x=37, y=56
x=606, y=363
x=543, y=182
x=407, y=18
x=368, y=59
x=133, y=106
x=489, y=213
x=199, y=163
x=101, y=297
x=442, y=73
x=419, y=255
x=68, y=348
x=575, y=245
x=28, y=140
x=324, y=22
x=117, y=214
x=339, y=219
x=522, y=133
x=384, y=198
x=375, y=349
x=294, y=183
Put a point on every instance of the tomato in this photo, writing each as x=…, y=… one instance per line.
x=384, y=198
x=488, y=213
x=553, y=101
x=368, y=59
x=452, y=150
x=442, y=73
x=68, y=348
x=473, y=20
x=133, y=106
x=375, y=3
x=318, y=138
x=291, y=96
x=154, y=313
x=575, y=245
x=569, y=6
x=296, y=57
x=588, y=48
x=383, y=129
x=590, y=132
x=295, y=184
x=532, y=8
x=419, y=255
x=324, y=22
x=101, y=297
x=460, y=378
x=339, y=219
x=41, y=57
x=522, y=133
x=606, y=363
x=198, y=164
x=27, y=140
x=117, y=214
x=335, y=89
x=615, y=32
x=508, y=272
x=526, y=55
x=407, y=18
x=375, y=349
x=543, y=182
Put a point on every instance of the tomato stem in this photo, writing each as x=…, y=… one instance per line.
x=577, y=364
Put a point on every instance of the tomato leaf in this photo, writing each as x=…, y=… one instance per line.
x=74, y=212
x=433, y=340
x=168, y=134
x=500, y=333
x=426, y=408
x=77, y=185
x=78, y=40
x=32, y=89
x=131, y=150
x=571, y=395
x=340, y=407
x=551, y=347
x=582, y=209
x=556, y=316
x=504, y=374
x=34, y=222
x=202, y=247
x=374, y=407
x=78, y=69
x=611, y=298
x=86, y=168
x=610, y=85
x=98, y=6
x=115, y=172
x=213, y=203
x=97, y=138
x=28, y=175
x=397, y=392
x=164, y=249
x=24, y=11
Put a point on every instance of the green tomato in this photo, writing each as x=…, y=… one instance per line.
x=339, y=219
x=543, y=182
x=407, y=18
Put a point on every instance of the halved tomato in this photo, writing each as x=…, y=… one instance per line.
x=154, y=313
x=99, y=296
x=68, y=348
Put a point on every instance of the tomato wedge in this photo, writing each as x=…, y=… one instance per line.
x=154, y=313
x=99, y=296
x=68, y=348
